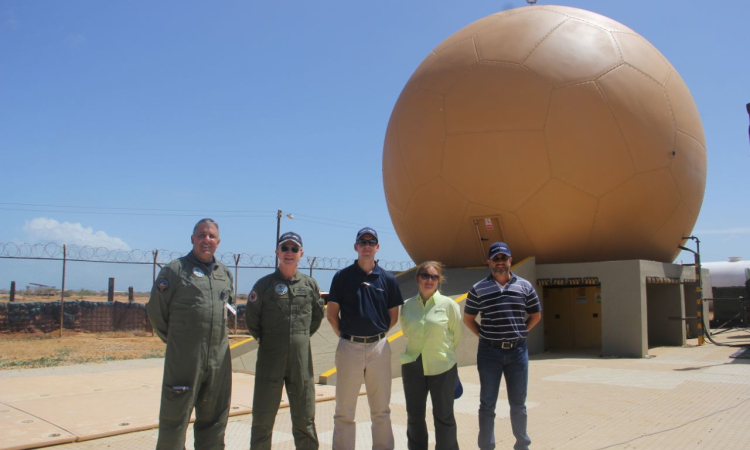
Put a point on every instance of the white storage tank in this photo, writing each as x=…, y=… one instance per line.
x=732, y=273
x=728, y=291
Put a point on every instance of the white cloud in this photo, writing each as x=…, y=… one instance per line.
x=738, y=230
x=44, y=229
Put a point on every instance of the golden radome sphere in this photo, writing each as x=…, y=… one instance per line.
x=558, y=130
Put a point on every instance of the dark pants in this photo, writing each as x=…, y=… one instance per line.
x=441, y=388
x=492, y=363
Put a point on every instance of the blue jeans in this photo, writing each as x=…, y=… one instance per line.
x=492, y=363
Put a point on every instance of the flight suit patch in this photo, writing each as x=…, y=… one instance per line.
x=281, y=289
x=219, y=276
x=301, y=291
x=198, y=272
x=253, y=297
x=162, y=284
x=223, y=295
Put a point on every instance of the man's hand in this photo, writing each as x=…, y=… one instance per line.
x=471, y=323
x=332, y=313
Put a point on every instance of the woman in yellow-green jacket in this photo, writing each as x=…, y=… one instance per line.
x=431, y=322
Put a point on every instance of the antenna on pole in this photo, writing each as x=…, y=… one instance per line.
x=531, y=2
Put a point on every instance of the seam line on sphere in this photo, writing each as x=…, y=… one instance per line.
x=692, y=137
x=610, y=70
x=619, y=125
x=588, y=22
x=654, y=80
x=545, y=37
x=541, y=79
x=671, y=114
x=458, y=79
x=617, y=46
x=471, y=36
x=658, y=53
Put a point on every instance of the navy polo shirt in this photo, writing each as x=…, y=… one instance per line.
x=364, y=299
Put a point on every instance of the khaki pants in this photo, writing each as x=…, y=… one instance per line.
x=357, y=363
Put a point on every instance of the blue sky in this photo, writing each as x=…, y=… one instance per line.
x=123, y=122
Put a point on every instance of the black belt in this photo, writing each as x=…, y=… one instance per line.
x=363, y=339
x=505, y=345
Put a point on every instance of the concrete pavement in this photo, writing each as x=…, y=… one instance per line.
x=678, y=398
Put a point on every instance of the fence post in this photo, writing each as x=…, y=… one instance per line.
x=131, y=294
x=311, y=263
x=236, y=283
x=153, y=280
x=12, y=291
x=111, y=290
x=62, y=291
x=156, y=256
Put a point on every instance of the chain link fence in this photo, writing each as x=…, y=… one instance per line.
x=46, y=288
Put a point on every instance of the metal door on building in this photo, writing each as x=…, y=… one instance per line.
x=488, y=231
x=572, y=317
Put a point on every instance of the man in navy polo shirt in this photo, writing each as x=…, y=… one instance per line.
x=362, y=306
x=510, y=308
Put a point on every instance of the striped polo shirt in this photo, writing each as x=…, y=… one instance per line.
x=502, y=308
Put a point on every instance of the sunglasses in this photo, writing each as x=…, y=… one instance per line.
x=428, y=276
x=285, y=249
x=499, y=258
x=365, y=242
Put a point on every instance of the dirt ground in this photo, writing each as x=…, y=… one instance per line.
x=25, y=350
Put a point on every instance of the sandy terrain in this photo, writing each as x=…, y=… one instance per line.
x=25, y=350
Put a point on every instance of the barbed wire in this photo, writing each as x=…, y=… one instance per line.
x=53, y=250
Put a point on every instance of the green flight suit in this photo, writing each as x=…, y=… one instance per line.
x=188, y=311
x=282, y=315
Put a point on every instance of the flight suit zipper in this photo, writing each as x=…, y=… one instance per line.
x=209, y=275
x=291, y=313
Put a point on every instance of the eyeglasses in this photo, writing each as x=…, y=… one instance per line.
x=366, y=242
x=285, y=249
x=428, y=276
x=499, y=258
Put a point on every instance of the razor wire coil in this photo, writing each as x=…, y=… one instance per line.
x=55, y=251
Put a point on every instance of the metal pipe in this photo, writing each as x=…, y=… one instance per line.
x=698, y=287
x=278, y=233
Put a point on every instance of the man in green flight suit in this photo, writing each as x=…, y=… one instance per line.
x=283, y=311
x=188, y=310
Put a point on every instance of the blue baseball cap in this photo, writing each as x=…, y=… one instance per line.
x=498, y=248
x=290, y=236
x=366, y=230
